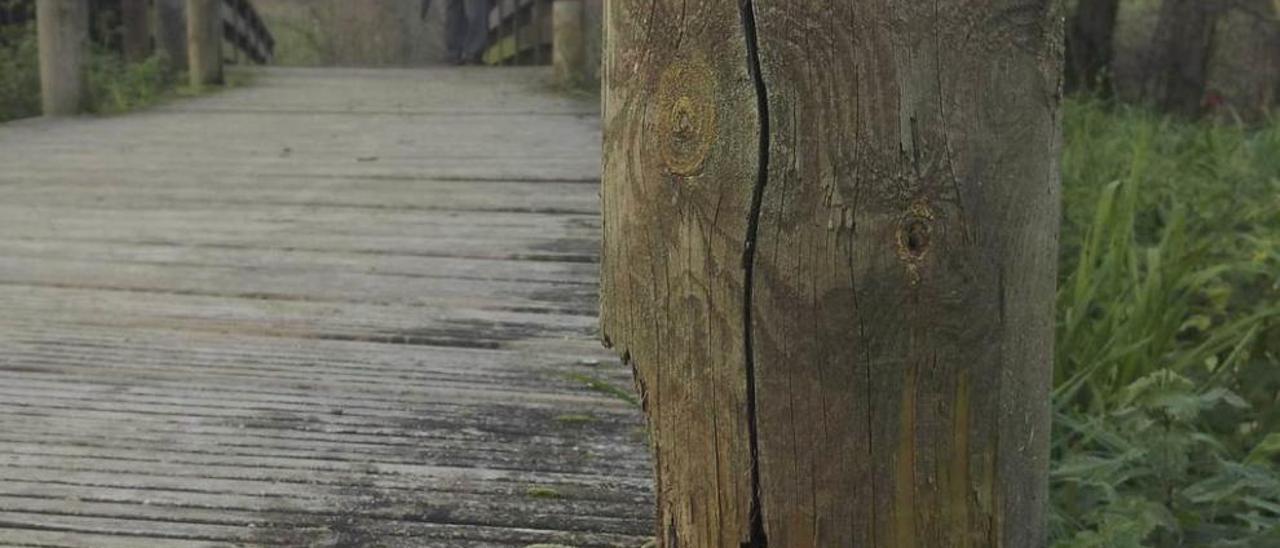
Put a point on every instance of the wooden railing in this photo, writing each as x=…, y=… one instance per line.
x=16, y=13
x=243, y=28
x=519, y=33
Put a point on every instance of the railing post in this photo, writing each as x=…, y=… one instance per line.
x=204, y=42
x=135, y=17
x=63, y=28
x=568, y=50
x=171, y=31
x=537, y=15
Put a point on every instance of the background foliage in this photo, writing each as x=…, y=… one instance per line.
x=1167, y=426
x=1168, y=362
x=115, y=86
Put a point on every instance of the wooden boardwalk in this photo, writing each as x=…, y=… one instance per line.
x=331, y=308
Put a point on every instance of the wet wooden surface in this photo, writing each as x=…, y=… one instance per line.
x=331, y=308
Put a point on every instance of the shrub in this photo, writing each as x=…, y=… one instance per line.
x=114, y=85
x=19, y=73
x=1168, y=367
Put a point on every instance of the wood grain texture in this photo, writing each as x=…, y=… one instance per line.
x=63, y=29
x=679, y=174
x=899, y=263
x=905, y=273
x=204, y=42
x=321, y=310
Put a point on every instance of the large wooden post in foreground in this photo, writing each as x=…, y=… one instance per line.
x=830, y=247
x=568, y=46
x=204, y=42
x=63, y=36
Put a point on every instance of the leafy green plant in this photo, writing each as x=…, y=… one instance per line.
x=19, y=73
x=116, y=86
x=1167, y=366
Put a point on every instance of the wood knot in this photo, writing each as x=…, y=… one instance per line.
x=915, y=236
x=686, y=116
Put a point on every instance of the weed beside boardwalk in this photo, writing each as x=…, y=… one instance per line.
x=19, y=73
x=114, y=85
x=1168, y=361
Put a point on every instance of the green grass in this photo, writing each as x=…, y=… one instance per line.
x=299, y=41
x=538, y=492
x=114, y=86
x=19, y=73
x=604, y=387
x=1168, y=360
x=574, y=419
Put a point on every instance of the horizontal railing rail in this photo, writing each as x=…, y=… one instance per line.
x=243, y=28
x=242, y=25
x=519, y=33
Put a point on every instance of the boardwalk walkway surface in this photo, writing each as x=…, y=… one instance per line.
x=331, y=308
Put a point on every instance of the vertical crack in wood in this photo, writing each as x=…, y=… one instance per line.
x=758, y=538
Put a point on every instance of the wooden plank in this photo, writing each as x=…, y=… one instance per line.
x=313, y=286
x=244, y=347
x=268, y=258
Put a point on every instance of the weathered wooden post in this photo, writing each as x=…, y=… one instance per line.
x=171, y=31
x=568, y=49
x=136, y=22
x=830, y=249
x=204, y=42
x=63, y=35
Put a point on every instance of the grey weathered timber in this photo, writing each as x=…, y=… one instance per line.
x=204, y=42
x=319, y=318
x=568, y=48
x=135, y=18
x=593, y=38
x=830, y=234
x=171, y=31
x=63, y=28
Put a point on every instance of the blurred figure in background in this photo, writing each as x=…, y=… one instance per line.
x=466, y=29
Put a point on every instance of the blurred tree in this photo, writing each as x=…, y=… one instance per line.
x=1090, y=38
x=1183, y=47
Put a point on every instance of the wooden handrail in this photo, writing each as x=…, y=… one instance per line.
x=243, y=28
x=519, y=33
